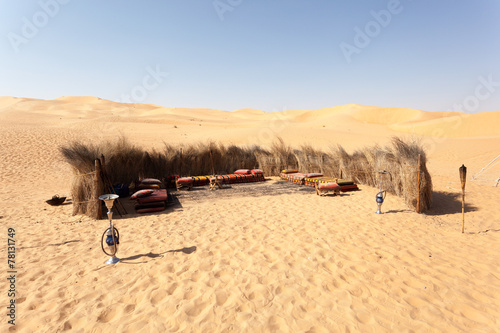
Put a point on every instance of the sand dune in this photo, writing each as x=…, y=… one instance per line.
x=286, y=262
x=408, y=121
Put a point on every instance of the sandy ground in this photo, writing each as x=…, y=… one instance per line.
x=260, y=257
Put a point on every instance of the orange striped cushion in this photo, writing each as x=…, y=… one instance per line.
x=141, y=194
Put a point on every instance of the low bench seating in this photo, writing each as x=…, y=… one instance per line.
x=239, y=176
x=284, y=173
x=149, y=200
x=297, y=177
x=347, y=185
x=312, y=181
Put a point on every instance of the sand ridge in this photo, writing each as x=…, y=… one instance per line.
x=288, y=262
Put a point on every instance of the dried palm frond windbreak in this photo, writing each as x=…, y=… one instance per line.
x=126, y=164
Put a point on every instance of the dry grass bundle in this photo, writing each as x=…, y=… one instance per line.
x=281, y=156
x=121, y=157
x=400, y=160
x=195, y=159
x=310, y=159
x=126, y=163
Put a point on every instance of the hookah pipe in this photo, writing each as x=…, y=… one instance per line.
x=112, y=238
x=380, y=196
x=112, y=234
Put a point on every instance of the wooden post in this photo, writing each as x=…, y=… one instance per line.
x=212, y=161
x=463, y=176
x=181, y=164
x=419, y=170
x=98, y=189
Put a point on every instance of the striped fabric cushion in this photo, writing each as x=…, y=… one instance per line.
x=297, y=178
x=258, y=176
x=239, y=178
x=313, y=181
x=257, y=172
x=201, y=180
x=224, y=179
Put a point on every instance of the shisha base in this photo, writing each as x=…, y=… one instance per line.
x=112, y=260
x=109, y=200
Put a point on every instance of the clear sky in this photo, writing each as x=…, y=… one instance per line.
x=271, y=55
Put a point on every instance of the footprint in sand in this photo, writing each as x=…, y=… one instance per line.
x=172, y=288
x=157, y=296
x=277, y=323
x=363, y=316
x=107, y=315
x=221, y=297
x=129, y=308
x=194, y=310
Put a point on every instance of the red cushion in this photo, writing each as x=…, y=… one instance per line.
x=141, y=194
x=150, y=207
x=185, y=180
x=242, y=172
x=158, y=195
x=328, y=186
x=257, y=172
x=345, y=188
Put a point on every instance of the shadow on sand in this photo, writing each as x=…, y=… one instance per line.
x=151, y=255
x=444, y=203
x=57, y=244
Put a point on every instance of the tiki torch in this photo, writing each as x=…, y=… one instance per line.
x=463, y=174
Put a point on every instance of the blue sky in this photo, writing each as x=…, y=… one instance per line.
x=271, y=55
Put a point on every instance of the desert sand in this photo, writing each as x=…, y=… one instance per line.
x=288, y=262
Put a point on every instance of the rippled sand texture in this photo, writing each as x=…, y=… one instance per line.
x=250, y=262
